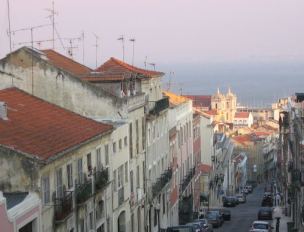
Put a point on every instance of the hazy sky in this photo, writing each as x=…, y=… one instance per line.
x=167, y=31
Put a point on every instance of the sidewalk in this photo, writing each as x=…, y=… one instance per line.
x=279, y=212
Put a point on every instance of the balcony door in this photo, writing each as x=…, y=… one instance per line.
x=121, y=222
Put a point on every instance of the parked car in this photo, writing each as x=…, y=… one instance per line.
x=219, y=211
x=236, y=200
x=229, y=201
x=267, y=200
x=185, y=228
x=244, y=191
x=241, y=198
x=214, y=219
x=265, y=213
x=226, y=214
x=207, y=226
x=249, y=188
x=260, y=226
x=198, y=226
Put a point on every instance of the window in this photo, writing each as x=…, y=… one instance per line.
x=89, y=162
x=155, y=217
x=120, y=176
x=70, y=175
x=79, y=171
x=59, y=187
x=164, y=203
x=81, y=224
x=120, y=144
x=137, y=137
x=126, y=141
x=114, y=147
x=137, y=177
x=91, y=220
x=114, y=180
x=46, y=189
x=126, y=172
x=100, y=209
x=101, y=228
x=107, y=153
x=131, y=182
x=131, y=142
x=143, y=135
x=98, y=158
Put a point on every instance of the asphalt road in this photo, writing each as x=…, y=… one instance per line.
x=244, y=214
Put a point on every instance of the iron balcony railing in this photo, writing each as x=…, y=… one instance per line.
x=161, y=182
x=84, y=190
x=187, y=180
x=63, y=206
x=160, y=105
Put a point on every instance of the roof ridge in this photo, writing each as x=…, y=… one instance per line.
x=66, y=57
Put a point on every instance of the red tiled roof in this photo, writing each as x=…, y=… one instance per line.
x=42, y=129
x=96, y=79
x=204, y=168
x=211, y=112
x=200, y=100
x=241, y=115
x=66, y=63
x=115, y=66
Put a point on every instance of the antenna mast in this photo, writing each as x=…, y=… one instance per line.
x=9, y=25
x=52, y=18
x=123, y=46
x=133, y=41
x=82, y=37
x=96, y=49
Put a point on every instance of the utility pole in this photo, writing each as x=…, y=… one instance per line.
x=133, y=41
x=122, y=39
x=9, y=25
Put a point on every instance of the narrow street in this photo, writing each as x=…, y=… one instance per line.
x=244, y=214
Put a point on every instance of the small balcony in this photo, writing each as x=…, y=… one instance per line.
x=161, y=182
x=160, y=105
x=187, y=180
x=101, y=179
x=121, y=196
x=63, y=207
x=83, y=191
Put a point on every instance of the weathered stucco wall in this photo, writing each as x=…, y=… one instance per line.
x=43, y=80
x=25, y=179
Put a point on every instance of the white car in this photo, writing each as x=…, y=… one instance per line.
x=260, y=226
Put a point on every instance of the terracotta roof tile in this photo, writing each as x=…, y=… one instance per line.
x=204, y=168
x=96, y=79
x=66, y=63
x=200, y=100
x=241, y=115
x=42, y=129
x=115, y=66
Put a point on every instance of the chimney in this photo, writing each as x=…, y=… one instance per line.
x=3, y=111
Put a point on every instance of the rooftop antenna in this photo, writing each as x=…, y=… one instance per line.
x=96, y=49
x=133, y=41
x=31, y=29
x=52, y=18
x=82, y=37
x=122, y=39
x=70, y=49
x=145, y=62
x=9, y=25
x=181, y=91
x=153, y=65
